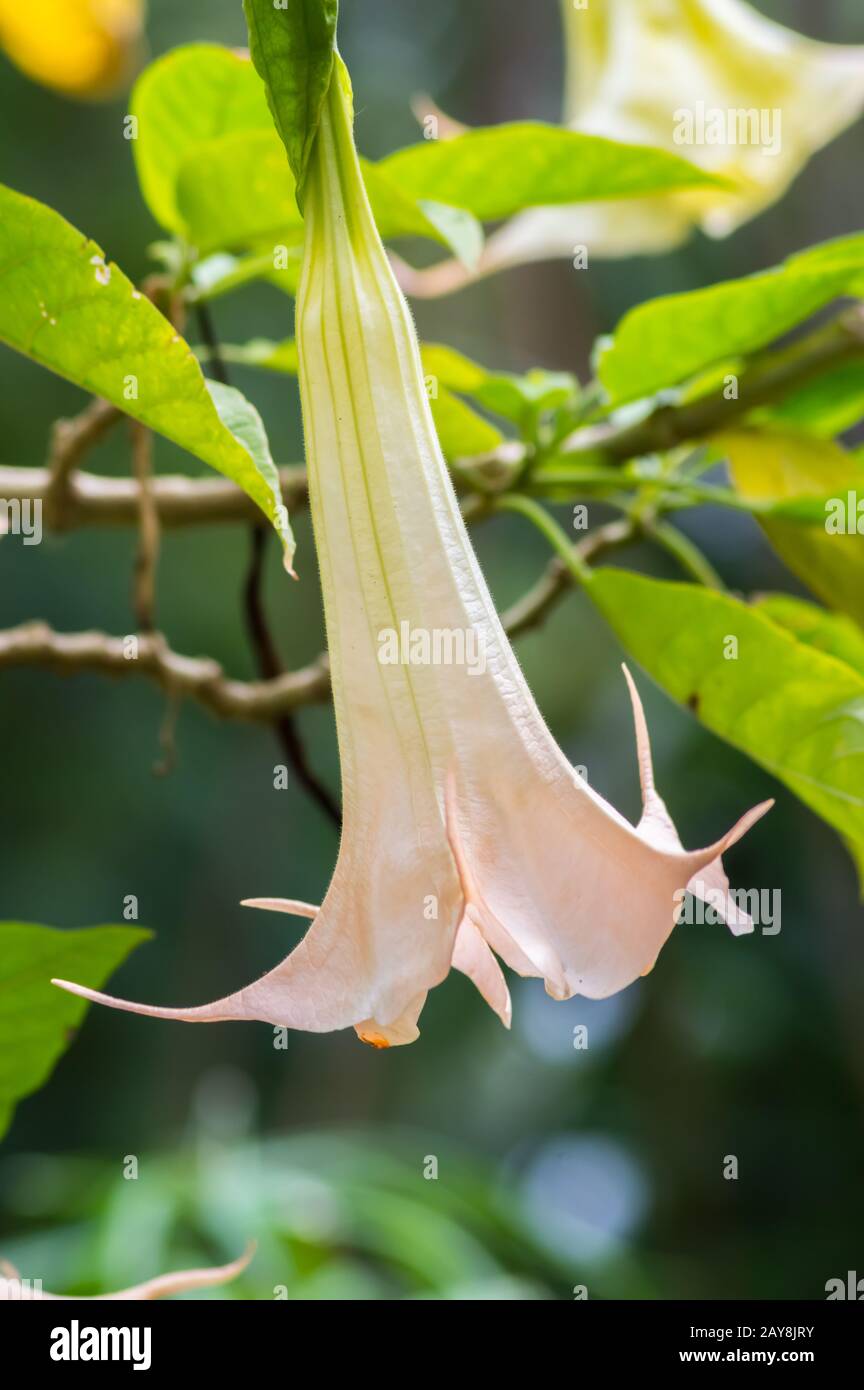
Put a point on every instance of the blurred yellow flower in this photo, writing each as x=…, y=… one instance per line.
x=738, y=94
x=84, y=48
x=713, y=80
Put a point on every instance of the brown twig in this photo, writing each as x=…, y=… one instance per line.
x=215, y=360
x=533, y=608
x=264, y=701
x=179, y=501
x=270, y=668
x=70, y=441
x=147, y=554
x=264, y=647
x=75, y=499
x=89, y=500
x=766, y=378
x=148, y=654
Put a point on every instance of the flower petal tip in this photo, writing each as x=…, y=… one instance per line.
x=293, y=906
x=375, y=1040
x=81, y=990
x=747, y=821
x=206, y=1013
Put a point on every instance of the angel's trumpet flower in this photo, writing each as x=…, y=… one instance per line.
x=739, y=95
x=14, y=1289
x=466, y=832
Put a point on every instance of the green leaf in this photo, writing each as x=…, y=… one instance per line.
x=242, y=420
x=461, y=431
x=221, y=273
x=857, y=853
x=212, y=167
x=827, y=406
x=235, y=192
x=181, y=103
x=66, y=308
x=505, y=393
x=453, y=369
x=292, y=47
x=496, y=171
x=791, y=708
x=670, y=339
x=397, y=215
x=832, y=633
x=459, y=229
x=786, y=465
x=264, y=352
x=36, y=1018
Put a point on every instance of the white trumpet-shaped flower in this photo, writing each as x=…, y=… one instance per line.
x=739, y=95
x=467, y=834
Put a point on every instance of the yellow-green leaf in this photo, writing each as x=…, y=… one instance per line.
x=668, y=340
x=496, y=171
x=781, y=464
x=832, y=633
x=796, y=711
x=181, y=103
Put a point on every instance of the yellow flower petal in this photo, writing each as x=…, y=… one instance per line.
x=713, y=80
x=85, y=48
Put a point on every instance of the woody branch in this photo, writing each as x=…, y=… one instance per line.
x=74, y=499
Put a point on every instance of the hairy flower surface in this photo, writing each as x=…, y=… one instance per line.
x=467, y=834
x=737, y=94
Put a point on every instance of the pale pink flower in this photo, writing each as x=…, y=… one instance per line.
x=467, y=834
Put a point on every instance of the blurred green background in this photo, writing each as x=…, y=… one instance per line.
x=556, y=1167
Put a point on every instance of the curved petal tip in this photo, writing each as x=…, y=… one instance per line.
x=294, y=906
x=13, y=1288
x=206, y=1013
